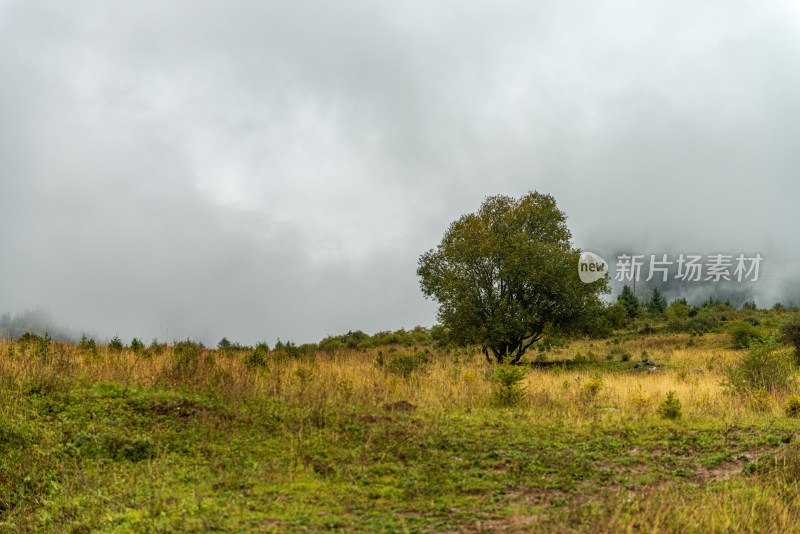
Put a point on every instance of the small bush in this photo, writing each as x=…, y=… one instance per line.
x=156, y=347
x=640, y=401
x=743, y=334
x=591, y=388
x=647, y=330
x=137, y=346
x=405, y=364
x=670, y=408
x=257, y=358
x=287, y=350
x=764, y=366
x=792, y=406
x=790, y=330
x=694, y=324
x=88, y=345
x=115, y=345
x=761, y=401
x=509, y=391
x=750, y=305
x=187, y=359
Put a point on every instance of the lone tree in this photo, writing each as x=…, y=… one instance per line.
x=506, y=276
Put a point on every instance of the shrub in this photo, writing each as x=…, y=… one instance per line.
x=439, y=333
x=750, y=305
x=137, y=345
x=509, y=391
x=678, y=309
x=40, y=345
x=792, y=406
x=591, y=388
x=87, y=345
x=156, y=347
x=670, y=408
x=743, y=334
x=257, y=358
x=115, y=345
x=761, y=401
x=698, y=324
x=752, y=320
x=640, y=401
x=187, y=359
x=647, y=330
x=286, y=350
x=330, y=344
x=405, y=364
x=790, y=330
x=764, y=366
x=351, y=339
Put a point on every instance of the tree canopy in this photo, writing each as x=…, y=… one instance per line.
x=507, y=275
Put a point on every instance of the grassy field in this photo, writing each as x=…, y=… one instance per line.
x=391, y=439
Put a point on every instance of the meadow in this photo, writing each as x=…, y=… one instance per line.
x=414, y=436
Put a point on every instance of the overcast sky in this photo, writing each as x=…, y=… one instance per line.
x=259, y=169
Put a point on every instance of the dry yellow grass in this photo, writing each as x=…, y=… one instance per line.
x=457, y=380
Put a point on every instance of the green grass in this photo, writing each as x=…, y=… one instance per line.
x=111, y=442
x=82, y=457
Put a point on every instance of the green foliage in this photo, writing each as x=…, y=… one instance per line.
x=597, y=326
x=761, y=401
x=258, y=358
x=697, y=325
x=229, y=347
x=791, y=407
x=187, y=359
x=616, y=315
x=405, y=364
x=87, y=345
x=763, y=367
x=352, y=339
x=790, y=331
x=657, y=303
x=156, y=347
x=40, y=345
x=647, y=330
x=330, y=344
x=678, y=309
x=591, y=388
x=509, y=391
x=288, y=350
x=629, y=301
x=750, y=305
x=115, y=345
x=743, y=334
x=505, y=273
x=716, y=304
x=670, y=408
x=136, y=345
